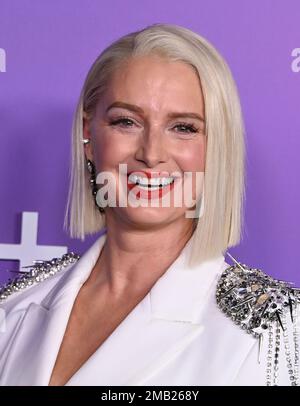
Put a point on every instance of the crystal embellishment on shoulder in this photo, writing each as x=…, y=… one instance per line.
x=38, y=272
x=259, y=303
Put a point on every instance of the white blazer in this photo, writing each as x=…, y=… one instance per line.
x=175, y=336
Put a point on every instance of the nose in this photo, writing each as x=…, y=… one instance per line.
x=151, y=150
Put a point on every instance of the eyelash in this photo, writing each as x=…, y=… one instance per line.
x=190, y=127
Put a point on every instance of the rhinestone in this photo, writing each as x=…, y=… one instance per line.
x=37, y=273
x=265, y=310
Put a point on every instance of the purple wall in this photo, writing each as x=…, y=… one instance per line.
x=49, y=47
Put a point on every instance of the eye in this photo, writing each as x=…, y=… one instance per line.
x=125, y=121
x=187, y=128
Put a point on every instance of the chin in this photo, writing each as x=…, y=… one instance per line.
x=148, y=215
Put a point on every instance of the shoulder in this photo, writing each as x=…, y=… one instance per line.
x=253, y=299
x=267, y=309
x=36, y=280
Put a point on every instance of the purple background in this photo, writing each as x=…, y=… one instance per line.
x=50, y=46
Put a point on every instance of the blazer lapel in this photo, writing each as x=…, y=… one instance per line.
x=33, y=350
x=171, y=318
x=34, y=346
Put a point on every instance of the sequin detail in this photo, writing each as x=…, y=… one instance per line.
x=37, y=272
x=260, y=304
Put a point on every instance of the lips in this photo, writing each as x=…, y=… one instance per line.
x=149, y=192
x=143, y=193
x=151, y=175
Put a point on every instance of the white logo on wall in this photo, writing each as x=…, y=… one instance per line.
x=296, y=62
x=28, y=250
x=2, y=60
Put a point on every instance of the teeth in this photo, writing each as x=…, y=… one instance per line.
x=145, y=182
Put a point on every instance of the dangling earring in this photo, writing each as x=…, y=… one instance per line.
x=92, y=171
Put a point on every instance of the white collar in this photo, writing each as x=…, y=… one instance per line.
x=177, y=295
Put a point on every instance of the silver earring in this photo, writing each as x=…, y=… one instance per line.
x=86, y=141
x=92, y=171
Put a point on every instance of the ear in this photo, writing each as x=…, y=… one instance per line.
x=86, y=131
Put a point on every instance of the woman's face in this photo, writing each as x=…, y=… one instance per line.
x=142, y=121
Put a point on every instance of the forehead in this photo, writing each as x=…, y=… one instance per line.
x=156, y=82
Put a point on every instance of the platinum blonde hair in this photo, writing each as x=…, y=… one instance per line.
x=220, y=227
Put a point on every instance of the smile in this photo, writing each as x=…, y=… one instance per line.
x=150, y=183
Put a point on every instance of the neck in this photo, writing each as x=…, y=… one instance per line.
x=134, y=258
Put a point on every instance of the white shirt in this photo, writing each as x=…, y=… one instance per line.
x=176, y=335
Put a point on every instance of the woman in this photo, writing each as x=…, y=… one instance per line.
x=159, y=111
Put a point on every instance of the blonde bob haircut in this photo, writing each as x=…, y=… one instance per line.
x=220, y=226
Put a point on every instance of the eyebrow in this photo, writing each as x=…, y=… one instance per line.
x=139, y=110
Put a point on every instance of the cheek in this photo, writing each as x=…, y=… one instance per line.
x=111, y=150
x=191, y=158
